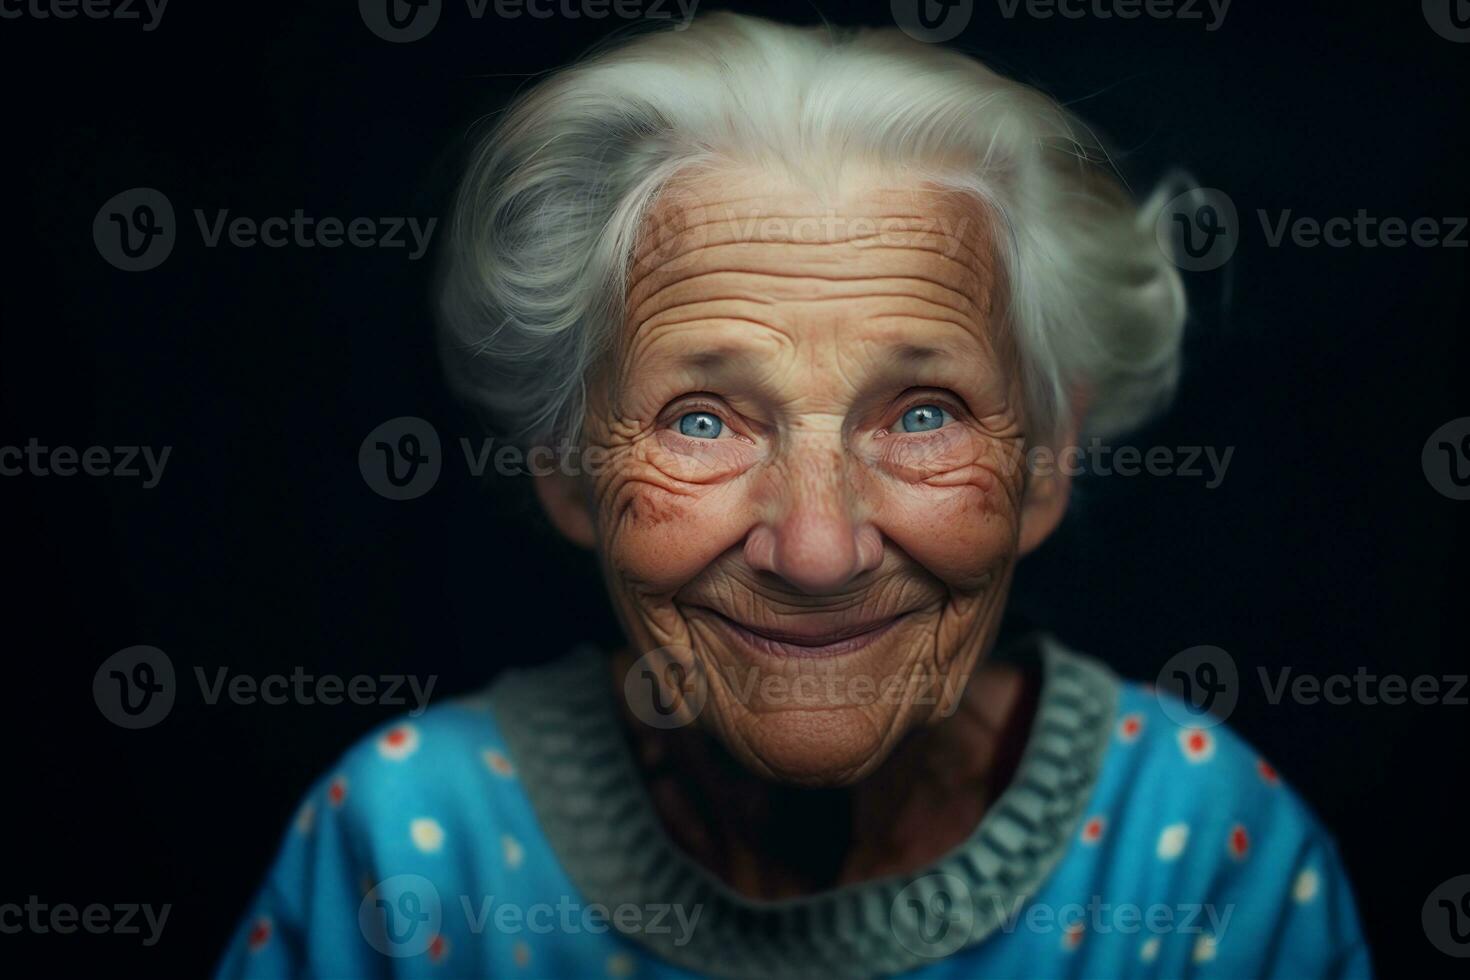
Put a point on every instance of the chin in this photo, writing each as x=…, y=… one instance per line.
x=812, y=748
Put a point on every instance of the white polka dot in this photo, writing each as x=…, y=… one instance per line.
x=1150, y=950
x=620, y=965
x=1306, y=886
x=398, y=742
x=511, y=848
x=306, y=817
x=1172, y=840
x=427, y=835
x=1204, y=948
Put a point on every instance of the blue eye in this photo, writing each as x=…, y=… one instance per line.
x=924, y=418
x=701, y=425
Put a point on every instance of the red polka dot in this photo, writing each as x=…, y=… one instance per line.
x=1073, y=936
x=337, y=792
x=1267, y=771
x=1092, y=830
x=438, y=949
x=396, y=737
x=1130, y=728
x=1240, y=842
x=1197, y=744
x=260, y=934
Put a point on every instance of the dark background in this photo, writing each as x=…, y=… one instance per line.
x=263, y=549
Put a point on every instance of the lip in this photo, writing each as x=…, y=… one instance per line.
x=806, y=644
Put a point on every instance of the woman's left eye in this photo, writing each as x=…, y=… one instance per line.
x=701, y=425
x=924, y=418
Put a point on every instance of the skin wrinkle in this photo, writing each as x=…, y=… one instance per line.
x=813, y=509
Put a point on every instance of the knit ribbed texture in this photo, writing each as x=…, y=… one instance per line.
x=562, y=727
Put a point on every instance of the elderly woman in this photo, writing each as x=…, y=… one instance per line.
x=810, y=306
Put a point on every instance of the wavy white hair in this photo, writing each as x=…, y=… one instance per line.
x=549, y=211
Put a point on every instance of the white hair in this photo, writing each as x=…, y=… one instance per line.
x=545, y=222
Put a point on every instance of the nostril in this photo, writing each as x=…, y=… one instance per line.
x=760, y=549
x=814, y=553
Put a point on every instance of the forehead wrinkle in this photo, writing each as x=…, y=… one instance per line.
x=781, y=288
x=708, y=345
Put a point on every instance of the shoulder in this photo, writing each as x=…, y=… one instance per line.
x=422, y=771
x=1189, y=814
x=1192, y=762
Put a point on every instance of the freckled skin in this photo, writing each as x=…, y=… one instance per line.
x=808, y=325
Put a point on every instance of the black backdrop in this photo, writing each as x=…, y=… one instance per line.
x=262, y=548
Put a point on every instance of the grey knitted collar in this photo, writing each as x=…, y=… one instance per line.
x=561, y=725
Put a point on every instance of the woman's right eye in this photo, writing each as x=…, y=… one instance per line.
x=701, y=425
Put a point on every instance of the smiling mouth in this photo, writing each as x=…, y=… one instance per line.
x=810, y=644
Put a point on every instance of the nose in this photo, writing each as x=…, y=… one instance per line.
x=815, y=538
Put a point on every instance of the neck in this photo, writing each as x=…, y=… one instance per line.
x=770, y=841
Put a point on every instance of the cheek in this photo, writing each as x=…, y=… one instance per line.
x=657, y=537
x=960, y=523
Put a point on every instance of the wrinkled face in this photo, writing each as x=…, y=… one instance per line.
x=813, y=496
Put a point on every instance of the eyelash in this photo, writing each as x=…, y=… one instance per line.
x=681, y=408
x=910, y=400
x=941, y=399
